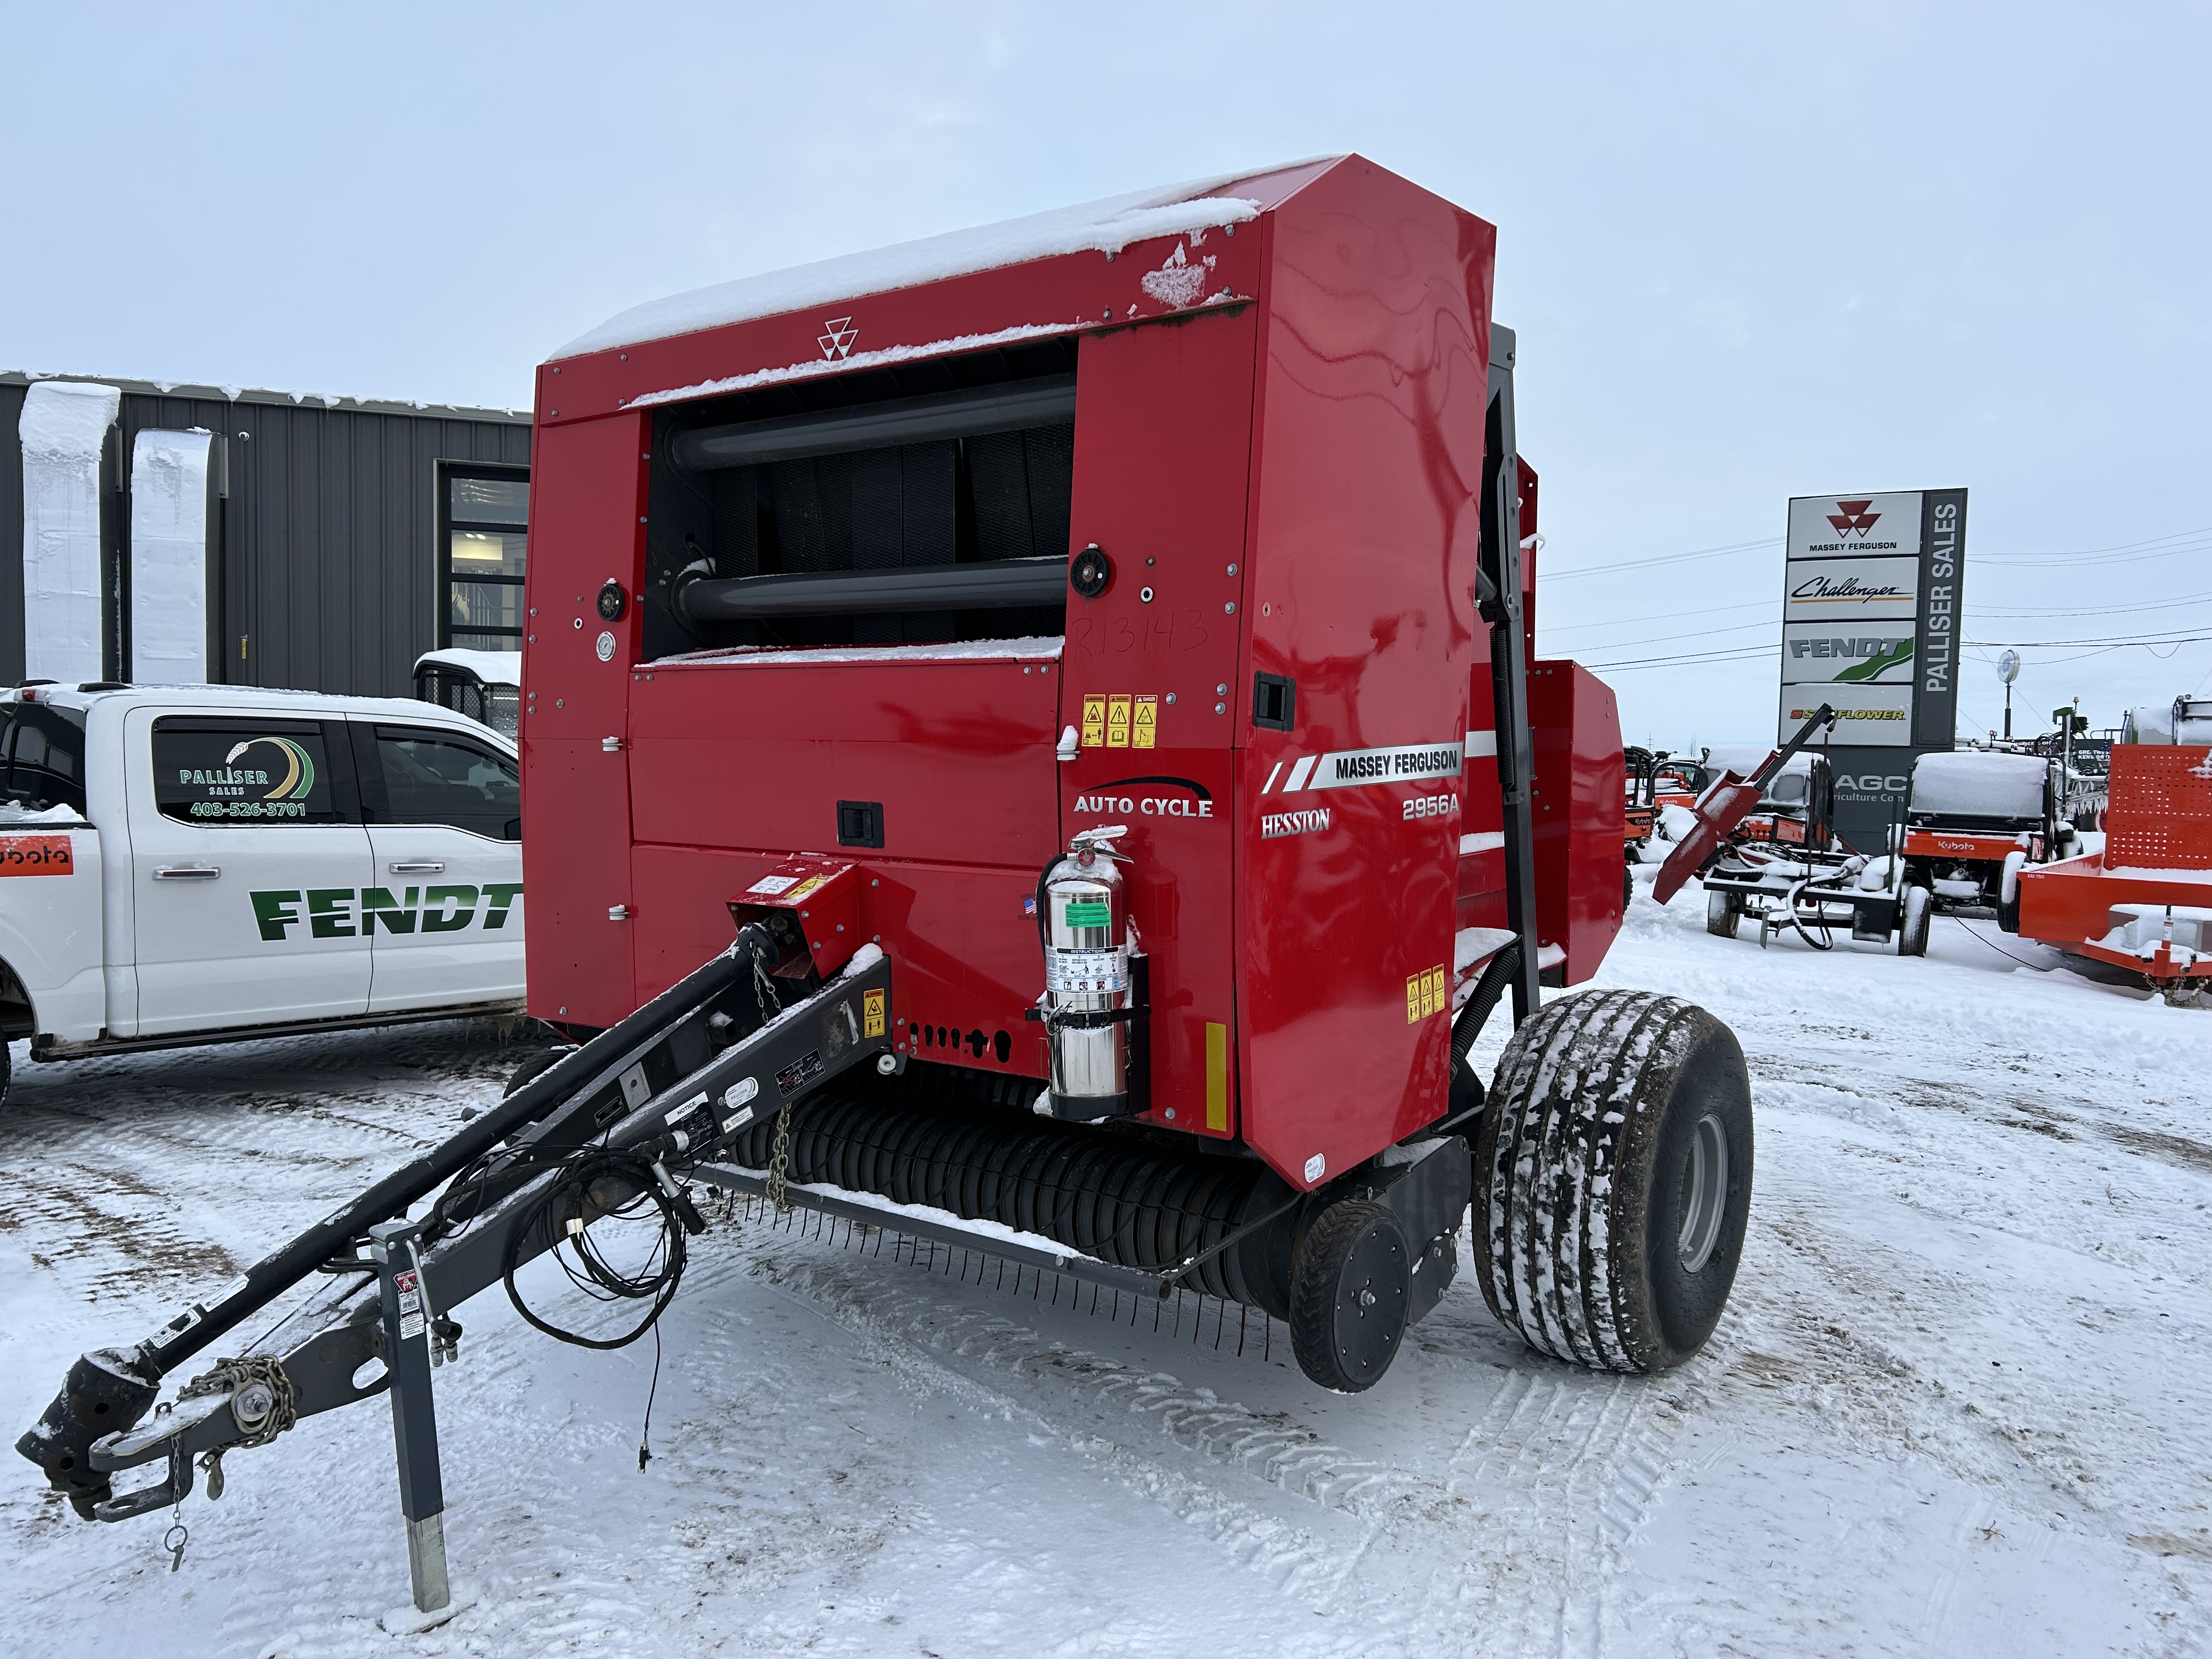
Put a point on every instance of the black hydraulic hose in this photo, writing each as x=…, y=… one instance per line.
x=1498, y=973
x=979, y=585
x=274, y=1275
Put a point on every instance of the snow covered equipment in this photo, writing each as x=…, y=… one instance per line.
x=1973, y=820
x=1088, y=663
x=1726, y=801
x=1813, y=893
x=2143, y=902
x=485, y=685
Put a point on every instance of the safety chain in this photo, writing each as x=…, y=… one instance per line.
x=779, y=1161
x=263, y=1403
x=237, y=1378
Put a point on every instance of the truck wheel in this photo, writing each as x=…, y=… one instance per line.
x=1350, y=1287
x=537, y=1066
x=1722, y=913
x=1912, y=912
x=1613, y=1180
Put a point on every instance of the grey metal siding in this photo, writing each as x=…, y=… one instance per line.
x=11, y=533
x=330, y=568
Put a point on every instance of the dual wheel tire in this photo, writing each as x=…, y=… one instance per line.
x=1612, y=1189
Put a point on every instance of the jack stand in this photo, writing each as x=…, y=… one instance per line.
x=414, y=1417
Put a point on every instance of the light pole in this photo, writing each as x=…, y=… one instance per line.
x=2008, y=671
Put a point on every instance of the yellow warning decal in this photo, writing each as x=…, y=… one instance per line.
x=1147, y=724
x=1117, y=721
x=872, y=1013
x=1427, y=993
x=1217, y=1078
x=1094, y=719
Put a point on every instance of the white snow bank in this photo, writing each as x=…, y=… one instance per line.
x=492, y=667
x=1105, y=227
x=63, y=425
x=1028, y=647
x=1977, y=783
x=169, y=554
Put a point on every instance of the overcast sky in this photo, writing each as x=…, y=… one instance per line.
x=1751, y=252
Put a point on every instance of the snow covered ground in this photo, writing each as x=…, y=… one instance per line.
x=1959, y=1405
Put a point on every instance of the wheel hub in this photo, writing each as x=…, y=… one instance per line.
x=1704, y=1194
x=1371, y=1311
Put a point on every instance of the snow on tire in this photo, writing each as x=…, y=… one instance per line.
x=1613, y=1180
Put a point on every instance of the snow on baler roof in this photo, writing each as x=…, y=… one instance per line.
x=1980, y=784
x=1106, y=226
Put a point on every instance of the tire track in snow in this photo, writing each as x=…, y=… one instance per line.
x=960, y=1339
x=1523, y=1534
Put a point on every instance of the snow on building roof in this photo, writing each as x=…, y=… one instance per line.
x=1107, y=225
x=235, y=394
x=1977, y=783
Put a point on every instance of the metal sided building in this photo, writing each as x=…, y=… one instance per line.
x=159, y=533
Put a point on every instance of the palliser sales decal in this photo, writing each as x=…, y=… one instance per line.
x=35, y=855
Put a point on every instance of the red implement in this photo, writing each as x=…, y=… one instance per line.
x=1720, y=809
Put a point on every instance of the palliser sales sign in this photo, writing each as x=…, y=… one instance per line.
x=1870, y=615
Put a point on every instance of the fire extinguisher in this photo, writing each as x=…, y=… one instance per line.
x=1092, y=977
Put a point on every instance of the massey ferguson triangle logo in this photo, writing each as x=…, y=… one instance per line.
x=1849, y=517
x=838, y=334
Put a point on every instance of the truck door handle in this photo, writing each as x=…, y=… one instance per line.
x=186, y=872
x=417, y=867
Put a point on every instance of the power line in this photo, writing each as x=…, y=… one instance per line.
x=2102, y=610
x=1742, y=653
x=1663, y=558
x=1659, y=616
x=2131, y=551
x=2157, y=547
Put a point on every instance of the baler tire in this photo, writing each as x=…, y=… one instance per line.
x=1628, y=888
x=1723, y=912
x=7, y=1069
x=1914, y=906
x=537, y=1066
x=1351, y=1290
x=1613, y=1180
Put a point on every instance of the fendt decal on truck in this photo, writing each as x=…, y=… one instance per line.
x=334, y=912
x=286, y=800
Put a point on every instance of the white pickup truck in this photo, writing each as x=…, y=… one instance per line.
x=190, y=864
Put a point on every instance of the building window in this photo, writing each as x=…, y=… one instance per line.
x=485, y=511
